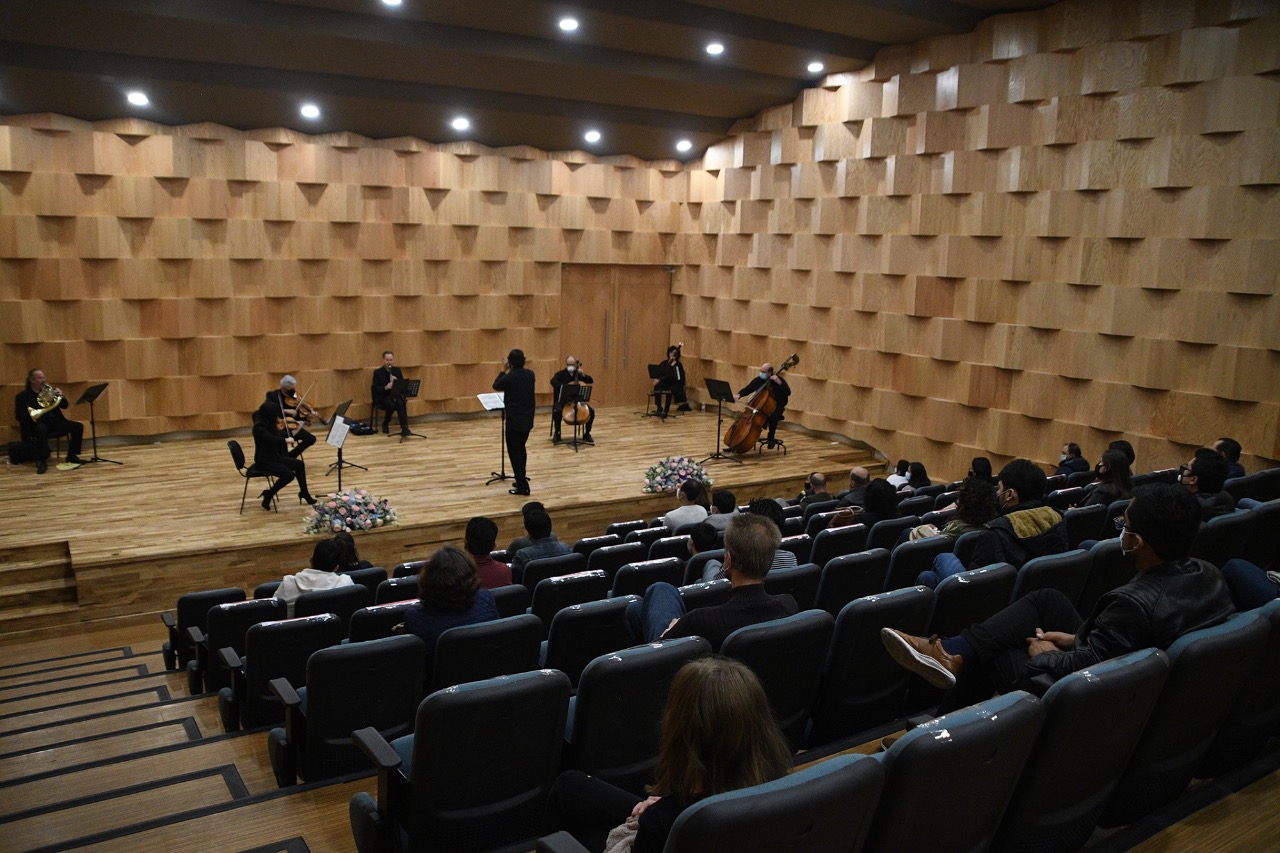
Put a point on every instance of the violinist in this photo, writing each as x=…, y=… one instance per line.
x=517, y=383
x=295, y=415
x=781, y=393
x=273, y=453
x=40, y=396
x=571, y=375
x=672, y=384
x=383, y=378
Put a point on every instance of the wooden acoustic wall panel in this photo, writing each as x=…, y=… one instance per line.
x=1064, y=226
x=191, y=267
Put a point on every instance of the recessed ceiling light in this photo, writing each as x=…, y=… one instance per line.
x=592, y=136
x=684, y=145
x=310, y=111
x=568, y=24
x=391, y=2
x=460, y=123
x=816, y=67
x=138, y=99
x=715, y=48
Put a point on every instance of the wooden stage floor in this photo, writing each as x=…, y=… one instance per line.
x=117, y=540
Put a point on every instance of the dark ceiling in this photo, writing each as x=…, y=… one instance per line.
x=638, y=71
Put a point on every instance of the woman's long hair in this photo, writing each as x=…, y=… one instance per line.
x=718, y=732
x=1117, y=473
x=448, y=581
x=976, y=501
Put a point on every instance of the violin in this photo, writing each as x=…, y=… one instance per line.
x=745, y=430
x=303, y=413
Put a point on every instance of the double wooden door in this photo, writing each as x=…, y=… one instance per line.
x=615, y=320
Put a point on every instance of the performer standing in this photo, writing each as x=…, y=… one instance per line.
x=383, y=378
x=571, y=374
x=39, y=395
x=285, y=399
x=516, y=382
x=781, y=393
x=271, y=454
x=672, y=383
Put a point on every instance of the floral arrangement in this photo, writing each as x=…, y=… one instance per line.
x=669, y=473
x=350, y=510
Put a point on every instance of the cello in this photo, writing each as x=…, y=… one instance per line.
x=577, y=412
x=744, y=432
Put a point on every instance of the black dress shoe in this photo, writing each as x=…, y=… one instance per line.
x=76, y=460
x=517, y=490
x=266, y=500
x=41, y=466
x=588, y=439
x=556, y=439
x=386, y=428
x=685, y=407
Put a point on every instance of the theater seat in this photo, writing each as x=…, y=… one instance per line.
x=190, y=612
x=225, y=626
x=851, y=577
x=487, y=650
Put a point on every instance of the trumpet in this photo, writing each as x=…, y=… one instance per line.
x=47, y=399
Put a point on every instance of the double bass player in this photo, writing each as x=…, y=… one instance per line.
x=781, y=394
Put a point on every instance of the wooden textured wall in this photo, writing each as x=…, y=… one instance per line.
x=1061, y=227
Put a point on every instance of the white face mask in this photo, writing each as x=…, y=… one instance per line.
x=571, y=368
x=1062, y=458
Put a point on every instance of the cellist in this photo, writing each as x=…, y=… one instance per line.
x=781, y=393
x=571, y=374
x=285, y=398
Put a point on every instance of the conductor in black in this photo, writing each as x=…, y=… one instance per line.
x=516, y=382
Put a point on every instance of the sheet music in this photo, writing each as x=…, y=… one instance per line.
x=492, y=401
x=338, y=432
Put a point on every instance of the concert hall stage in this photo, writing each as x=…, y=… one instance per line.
x=126, y=540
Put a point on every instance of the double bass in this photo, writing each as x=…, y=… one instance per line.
x=744, y=432
x=577, y=412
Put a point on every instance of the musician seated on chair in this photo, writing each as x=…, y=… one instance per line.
x=571, y=375
x=48, y=403
x=671, y=387
x=781, y=393
x=272, y=454
x=383, y=398
x=285, y=398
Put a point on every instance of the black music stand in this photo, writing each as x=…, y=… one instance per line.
x=92, y=393
x=573, y=394
x=491, y=401
x=338, y=432
x=659, y=372
x=407, y=388
x=721, y=393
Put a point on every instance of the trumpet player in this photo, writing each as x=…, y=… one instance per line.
x=38, y=408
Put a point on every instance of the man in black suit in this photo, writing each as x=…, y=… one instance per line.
x=50, y=424
x=281, y=398
x=781, y=394
x=383, y=378
x=571, y=373
x=516, y=382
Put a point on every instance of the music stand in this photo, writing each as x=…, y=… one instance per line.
x=407, y=388
x=659, y=372
x=338, y=430
x=572, y=395
x=492, y=401
x=721, y=393
x=92, y=393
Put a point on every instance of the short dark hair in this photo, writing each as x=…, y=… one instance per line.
x=1167, y=517
x=882, y=499
x=530, y=507
x=1024, y=477
x=1210, y=470
x=515, y=358
x=752, y=540
x=769, y=508
x=387, y=352
x=1073, y=449
x=724, y=500
x=326, y=556
x=704, y=536
x=1228, y=447
x=818, y=480
x=482, y=535
x=981, y=467
x=448, y=581
x=538, y=524
x=695, y=491
x=1124, y=447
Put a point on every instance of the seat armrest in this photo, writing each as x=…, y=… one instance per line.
x=196, y=635
x=229, y=658
x=375, y=747
x=1040, y=684
x=168, y=620
x=560, y=842
x=284, y=691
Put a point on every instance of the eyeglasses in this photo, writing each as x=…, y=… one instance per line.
x=1119, y=522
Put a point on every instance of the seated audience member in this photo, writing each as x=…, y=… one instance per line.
x=772, y=511
x=815, y=490
x=545, y=544
x=1114, y=480
x=1127, y=449
x=1250, y=586
x=525, y=541
x=1230, y=450
x=1169, y=596
x=917, y=477
x=976, y=505
x=718, y=735
x=691, y=499
x=449, y=595
x=481, y=536
x=879, y=503
x=350, y=560
x=1204, y=477
x=980, y=467
x=898, y=478
x=703, y=537
x=856, y=494
x=724, y=506
x=322, y=573
x=750, y=544
x=1071, y=462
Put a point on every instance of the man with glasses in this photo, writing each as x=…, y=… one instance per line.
x=1170, y=595
x=1204, y=477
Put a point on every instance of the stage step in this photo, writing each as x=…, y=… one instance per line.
x=37, y=586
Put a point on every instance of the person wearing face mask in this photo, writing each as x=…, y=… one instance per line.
x=1070, y=461
x=1170, y=595
x=781, y=393
x=571, y=373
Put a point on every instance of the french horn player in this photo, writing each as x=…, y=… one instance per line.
x=38, y=409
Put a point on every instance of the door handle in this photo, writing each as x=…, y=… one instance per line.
x=606, y=339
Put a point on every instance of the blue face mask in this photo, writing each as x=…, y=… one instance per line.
x=764, y=375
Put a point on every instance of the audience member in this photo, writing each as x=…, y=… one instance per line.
x=350, y=559
x=1071, y=462
x=976, y=504
x=879, y=503
x=525, y=541
x=449, y=595
x=772, y=511
x=856, y=494
x=545, y=544
x=691, y=498
x=718, y=735
x=1230, y=450
x=1204, y=477
x=1114, y=480
x=815, y=490
x=481, y=536
x=750, y=545
x=321, y=573
x=724, y=506
x=1250, y=586
x=703, y=537
x=1127, y=449
x=917, y=477
x=1169, y=596
x=980, y=467
x=898, y=478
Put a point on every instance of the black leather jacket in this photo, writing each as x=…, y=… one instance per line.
x=1150, y=611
